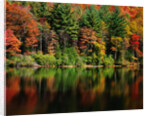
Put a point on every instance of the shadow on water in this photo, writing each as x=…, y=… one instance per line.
x=57, y=90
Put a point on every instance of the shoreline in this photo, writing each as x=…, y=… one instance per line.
x=135, y=65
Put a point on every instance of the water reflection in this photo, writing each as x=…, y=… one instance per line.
x=55, y=90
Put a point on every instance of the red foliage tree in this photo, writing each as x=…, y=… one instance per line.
x=23, y=24
x=132, y=11
x=112, y=8
x=12, y=43
x=135, y=41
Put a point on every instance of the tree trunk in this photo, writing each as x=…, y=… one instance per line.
x=74, y=42
x=122, y=56
x=115, y=55
x=41, y=43
x=134, y=56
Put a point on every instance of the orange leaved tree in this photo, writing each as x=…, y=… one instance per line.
x=12, y=43
x=20, y=20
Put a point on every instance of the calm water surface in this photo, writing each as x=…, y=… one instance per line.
x=57, y=90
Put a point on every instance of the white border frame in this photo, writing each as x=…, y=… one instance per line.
x=146, y=83
x=1, y=57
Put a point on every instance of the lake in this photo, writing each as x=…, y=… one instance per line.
x=59, y=90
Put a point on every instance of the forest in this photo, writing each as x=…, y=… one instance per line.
x=63, y=34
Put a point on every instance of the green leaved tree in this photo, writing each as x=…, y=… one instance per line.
x=116, y=28
x=64, y=22
x=91, y=19
x=116, y=24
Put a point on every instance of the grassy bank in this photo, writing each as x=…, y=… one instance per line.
x=39, y=60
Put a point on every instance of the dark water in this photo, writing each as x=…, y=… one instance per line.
x=57, y=90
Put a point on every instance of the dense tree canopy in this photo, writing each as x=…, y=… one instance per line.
x=95, y=34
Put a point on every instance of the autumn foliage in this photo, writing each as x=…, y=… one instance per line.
x=23, y=24
x=12, y=43
x=95, y=34
x=135, y=41
x=87, y=40
x=135, y=44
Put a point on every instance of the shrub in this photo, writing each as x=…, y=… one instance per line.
x=69, y=56
x=79, y=62
x=59, y=61
x=52, y=59
x=108, y=60
x=44, y=59
x=65, y=59
x=89, y=60
x=21, y=61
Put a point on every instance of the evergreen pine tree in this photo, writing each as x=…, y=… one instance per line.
x=117, y=24
x=91, y=19
x=65, y=24
x=39, y=9
x=116, y=28
x=104, y=13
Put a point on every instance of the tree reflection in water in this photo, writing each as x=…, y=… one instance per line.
x=56, y=90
